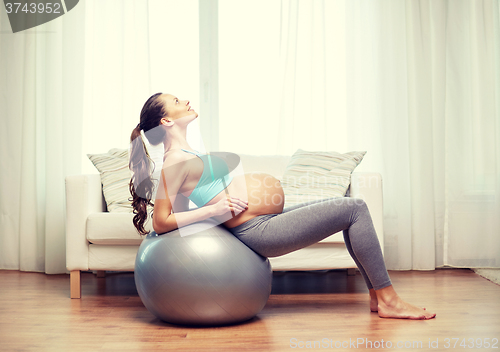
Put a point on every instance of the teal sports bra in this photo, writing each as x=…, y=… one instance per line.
x=214, y=179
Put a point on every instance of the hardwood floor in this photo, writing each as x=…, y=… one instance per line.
x=327, y=307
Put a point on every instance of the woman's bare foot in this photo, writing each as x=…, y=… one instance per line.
x=374, y=301
x=398, y=308
x=390, y=305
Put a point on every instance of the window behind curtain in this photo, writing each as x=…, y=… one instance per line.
x=174, y=58
x=248, y=75
x=128, y=61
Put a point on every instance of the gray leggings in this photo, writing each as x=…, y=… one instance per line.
x=304, y=224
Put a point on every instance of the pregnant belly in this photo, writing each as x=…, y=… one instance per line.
x=263, y=193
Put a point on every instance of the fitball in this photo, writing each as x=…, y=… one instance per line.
x=201, y=274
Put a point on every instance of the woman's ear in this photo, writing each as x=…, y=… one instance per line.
x=166, y=121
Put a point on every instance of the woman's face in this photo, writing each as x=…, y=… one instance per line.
x=177, y=109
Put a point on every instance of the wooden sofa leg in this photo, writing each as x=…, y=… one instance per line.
x=351, y=271
x=75, y=285
x=101, y=273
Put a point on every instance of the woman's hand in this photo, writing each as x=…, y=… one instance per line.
x=231, y=205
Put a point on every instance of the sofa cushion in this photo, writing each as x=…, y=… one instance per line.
x=115, y=179
x=115, y=176
x=318, y=175
x=114, y=229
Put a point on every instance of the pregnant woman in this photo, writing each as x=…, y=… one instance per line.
x=250, y=205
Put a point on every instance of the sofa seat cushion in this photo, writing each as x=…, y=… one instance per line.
x=114, y=229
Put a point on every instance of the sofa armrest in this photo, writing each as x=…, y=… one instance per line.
x=83, y=196
x=368, y=186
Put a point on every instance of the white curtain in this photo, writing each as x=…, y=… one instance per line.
x=417, y=85
x=133, y=49
x=72, y=86
x=75, y=86
x=41, y=114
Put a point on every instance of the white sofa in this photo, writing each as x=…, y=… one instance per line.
x=97, y=240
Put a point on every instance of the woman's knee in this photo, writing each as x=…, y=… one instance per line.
x=360, y=206
x=360, y=203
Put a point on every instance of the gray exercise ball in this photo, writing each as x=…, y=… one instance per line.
x=206, y=276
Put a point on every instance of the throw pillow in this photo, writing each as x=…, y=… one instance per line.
x=115, y=178
x=318, y=175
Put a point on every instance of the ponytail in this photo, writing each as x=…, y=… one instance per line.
x=141, y=185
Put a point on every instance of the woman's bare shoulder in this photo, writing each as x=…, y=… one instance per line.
x=174, y=156
x=176, y=160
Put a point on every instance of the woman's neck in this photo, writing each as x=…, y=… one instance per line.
x=176, y=147
x=175, y=139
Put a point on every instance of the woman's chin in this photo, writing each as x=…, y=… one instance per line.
x=189, y=117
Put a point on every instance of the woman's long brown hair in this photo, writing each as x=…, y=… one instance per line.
x=141, y=185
